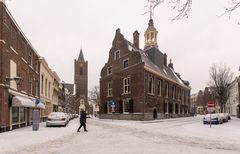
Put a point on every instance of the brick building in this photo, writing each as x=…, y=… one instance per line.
x=140, y=83
x=18, y=60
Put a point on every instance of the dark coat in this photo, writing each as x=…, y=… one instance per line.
x=83, y=118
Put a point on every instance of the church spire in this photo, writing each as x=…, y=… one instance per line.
x=80, y=57
x=150, y=35
x=3, y=1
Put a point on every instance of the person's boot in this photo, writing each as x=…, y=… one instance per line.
x=85, y=130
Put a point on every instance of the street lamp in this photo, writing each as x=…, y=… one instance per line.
x=17, y=79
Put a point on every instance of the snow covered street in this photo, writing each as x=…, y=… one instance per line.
x=169, y=136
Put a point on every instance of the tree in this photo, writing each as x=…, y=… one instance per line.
x=183, y=7
x=94, y=96
x=221, y=78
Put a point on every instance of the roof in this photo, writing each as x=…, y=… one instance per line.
x=80, y=57
x=153, y=60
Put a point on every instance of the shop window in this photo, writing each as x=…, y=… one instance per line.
x=22, y=114
x=15, y=114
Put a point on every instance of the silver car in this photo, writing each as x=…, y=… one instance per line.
x=57, y=119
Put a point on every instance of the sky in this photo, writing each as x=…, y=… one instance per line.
x=58, y=29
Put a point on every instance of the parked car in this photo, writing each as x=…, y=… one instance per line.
x=224, y=117
x=228, y=116
x=57, y=119
x=215, y=119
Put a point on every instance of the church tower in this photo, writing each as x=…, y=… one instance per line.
x=150, y=36
x=81, y=82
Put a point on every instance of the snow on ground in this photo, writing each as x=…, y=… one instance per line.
x=169, y=136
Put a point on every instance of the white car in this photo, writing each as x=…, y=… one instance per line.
x=57, y=119
x=215, y=119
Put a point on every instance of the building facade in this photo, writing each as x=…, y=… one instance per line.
x=233, y=104
x=81, y=82
x=47, y=79
x=18, y=62
x=138, y=84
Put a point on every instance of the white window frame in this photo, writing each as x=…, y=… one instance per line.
x=13, y=74
x=125, y=60
x=115, y=55
x=167, y=90
x=152, y=84
x=109, y=89
x=127, y=85
x=159, y=86
x=108, y=73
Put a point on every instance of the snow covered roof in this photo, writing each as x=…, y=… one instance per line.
x=153, y=61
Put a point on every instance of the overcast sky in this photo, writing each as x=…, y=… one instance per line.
x=58, y=29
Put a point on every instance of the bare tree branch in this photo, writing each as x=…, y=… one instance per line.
x=183, y=8
x=233, y=5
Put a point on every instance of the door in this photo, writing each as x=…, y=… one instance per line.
x=155, y=113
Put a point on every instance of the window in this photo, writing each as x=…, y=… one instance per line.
x=166, y=90
x=42, y=82
x=49, y=87
x=31, y=85
x=36, y=88
x=81, y=71
x=36, y=64
x=173, y=91
x=126, y=85
x=150, y=85
x=30, y=58
x=46, y=86
x=13, y=73
x=109, y=87
x=126, y=106
x=109, y=70
x=15, y=114
x=117, y=55
x=125, y=63
x=159, y=87
x=179, y=94
x=22, y=114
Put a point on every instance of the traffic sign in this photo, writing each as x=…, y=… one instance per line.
x=113, y=104
x=210, y=104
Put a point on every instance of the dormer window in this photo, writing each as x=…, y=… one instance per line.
x=125, y=63
x=109, y=70
x=117, y=55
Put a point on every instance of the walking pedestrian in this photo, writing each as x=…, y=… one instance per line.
x=83, y=121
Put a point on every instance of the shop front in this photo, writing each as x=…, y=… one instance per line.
x=21, y=109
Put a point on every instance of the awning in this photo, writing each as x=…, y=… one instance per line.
x=41, y=105
x=20, y=101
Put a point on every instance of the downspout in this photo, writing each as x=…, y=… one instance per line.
x=144, y=91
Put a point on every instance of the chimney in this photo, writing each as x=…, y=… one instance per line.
x=136, y=39
x=170, y=64
x=165, y=60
